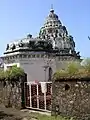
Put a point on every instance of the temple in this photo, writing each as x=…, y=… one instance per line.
x=40, y=57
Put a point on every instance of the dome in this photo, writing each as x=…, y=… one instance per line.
x=52, y=25
x=54, y=30
x=52, y=20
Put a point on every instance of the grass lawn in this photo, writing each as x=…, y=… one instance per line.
x=14, y=114
x=45, y=117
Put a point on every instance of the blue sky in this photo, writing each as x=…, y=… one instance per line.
x=20, y=17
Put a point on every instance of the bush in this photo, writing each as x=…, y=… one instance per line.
x=74, y=70
x=11, y=73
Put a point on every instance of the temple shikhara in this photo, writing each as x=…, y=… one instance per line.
x=41, y=56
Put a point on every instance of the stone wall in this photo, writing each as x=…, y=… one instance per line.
x=71, y=98
x=12, y=93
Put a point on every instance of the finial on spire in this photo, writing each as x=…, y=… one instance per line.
x=51, y=6
x=52, y=10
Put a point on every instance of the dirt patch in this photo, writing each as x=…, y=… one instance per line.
x=12, y=114
x=4, y=116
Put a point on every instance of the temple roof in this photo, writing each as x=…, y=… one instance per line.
x=52, y=36
x=52, y=18
x=52, y=26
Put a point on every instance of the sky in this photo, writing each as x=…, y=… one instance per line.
x=20, y=17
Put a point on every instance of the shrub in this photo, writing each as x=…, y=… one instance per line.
x=74, y=70
x=11, y=73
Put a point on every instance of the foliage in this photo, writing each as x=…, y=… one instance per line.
x=74, y=70
x=87, y=65
x=2, y=74
x=47, y=117
x=60, y=74
x=12, y=73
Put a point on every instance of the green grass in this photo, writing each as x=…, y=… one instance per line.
x=47, y=117
x=74, y=70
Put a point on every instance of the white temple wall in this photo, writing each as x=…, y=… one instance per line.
x=35, y=69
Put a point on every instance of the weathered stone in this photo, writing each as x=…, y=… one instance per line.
x=11, y=95
x=24, y=119
x=73, y=102
x=33, y=119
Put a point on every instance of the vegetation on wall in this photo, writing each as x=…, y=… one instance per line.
x=74, y=70
x=12, y=73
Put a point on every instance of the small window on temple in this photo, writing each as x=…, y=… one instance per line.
x=67, y=87
x=50, y=74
